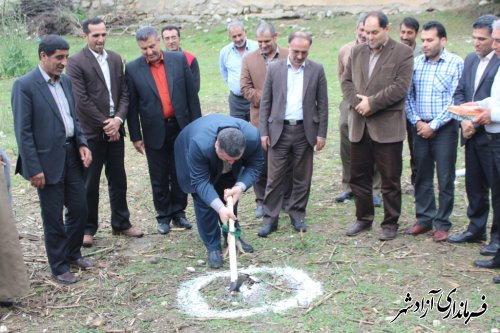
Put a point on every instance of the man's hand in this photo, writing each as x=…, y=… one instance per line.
x=484, y=118
x=234, y=192
x=225, y=214
x=114, y=138
x=139, y=146
x=111, y=126
x=424, y=130
x=85, y=155
x=38, y=180
x=468, y=129
x=363, y=107
x=320, y=143
x=264, y=140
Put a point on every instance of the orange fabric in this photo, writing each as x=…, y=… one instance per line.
x=160, y=78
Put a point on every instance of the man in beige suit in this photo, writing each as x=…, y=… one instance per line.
x=375, y=83
x=293, y=121
x=253, y=74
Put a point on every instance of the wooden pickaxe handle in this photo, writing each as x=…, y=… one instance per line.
x=231, y=243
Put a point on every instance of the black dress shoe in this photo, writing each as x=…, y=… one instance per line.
x=496, y=279
x=83, y=263
x=215, y=259
x=466, y=237
x=181, y=222
x=387, y=234
x=490, y=249
x=343, y=196
x=163, y=228
x=66, y=278
x=267, y=229
x=299, y=225
x=486, y=263
x=357, y=228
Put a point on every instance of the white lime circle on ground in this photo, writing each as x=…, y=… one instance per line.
x=305, y=290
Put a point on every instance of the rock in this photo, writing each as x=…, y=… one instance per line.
x=483, y=2
x=3, y=329
x=190, y=269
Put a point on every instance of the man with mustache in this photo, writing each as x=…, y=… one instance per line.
x=230, y=59
x=162, y=101
x=101, y=99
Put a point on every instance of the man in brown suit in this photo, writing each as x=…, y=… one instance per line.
x=253, y=74
x=375, y=84
x=101, y=105
x=293, y=121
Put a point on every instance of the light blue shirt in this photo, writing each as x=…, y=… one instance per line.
x=294, y=90
x=432, y=89
x=493, y=103
x=230, y=64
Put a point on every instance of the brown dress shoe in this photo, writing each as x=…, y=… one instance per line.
x=357, y=228
x=66, y=278
x=417, y=229
x=130, y=232
x=440, y=236
x=387, y=234
x=83, y=263
x=88, y=240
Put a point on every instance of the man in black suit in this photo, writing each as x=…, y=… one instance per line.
x=101, y=99
x=162, y=101
x=217, y=156
x=475, y=83
x=52, y=153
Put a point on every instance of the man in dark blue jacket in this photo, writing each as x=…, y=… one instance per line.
x=217, y=156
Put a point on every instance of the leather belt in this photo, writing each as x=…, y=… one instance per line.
x=70, y=140
x=293, y=122
x=493, y=136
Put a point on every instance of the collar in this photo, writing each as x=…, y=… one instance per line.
x=444, y=56
x=487, y=57
x=289, y=65
x=159, y=62
x=47, y=78
x=381, y=48
x=245, y=46
x=97, y=55
x=276, y=54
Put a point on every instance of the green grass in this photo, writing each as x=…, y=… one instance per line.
x=134, y=286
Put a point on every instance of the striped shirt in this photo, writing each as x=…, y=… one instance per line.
x=432, y=88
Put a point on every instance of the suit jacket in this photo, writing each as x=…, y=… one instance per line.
x=253, y=75
x=386, y=89
x=145, y=108
x=91, y=91
x=314, y=101
x=40, y=132
x=199, y=168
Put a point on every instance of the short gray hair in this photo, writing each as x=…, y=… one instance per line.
x=235, y=23
x=496, y=25
x=263, y=27
x=231, y=141
x=143, y=33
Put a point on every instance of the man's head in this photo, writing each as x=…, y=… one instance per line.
x=408, y=31
x=377, y=29
x=95, y=33
x=433, y=40
x=496, y=37
x=237, y=33
x=481, y=34
x=149, y=42
x=230, y=144
x=299, y=43
x=53, y=52
x=360, y=29
x=266, y=37
x=171, y=35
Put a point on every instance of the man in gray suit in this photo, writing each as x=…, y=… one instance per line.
x=162, y=101
x=475, y=84
x=52, y=153
x=101, y=105
x=375, y=83
x=293, y=121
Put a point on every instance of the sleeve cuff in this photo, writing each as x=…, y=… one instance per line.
x=217, y=204
x=242, y=185
x=121, y=120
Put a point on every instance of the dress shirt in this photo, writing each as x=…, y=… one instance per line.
x=102, y=60
x=294, y=90
x=493, y=103
x=431, y=91
x=230, y=64
x=274, y=57
x=160, y=78
x=57, y=92
x=481, y=67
